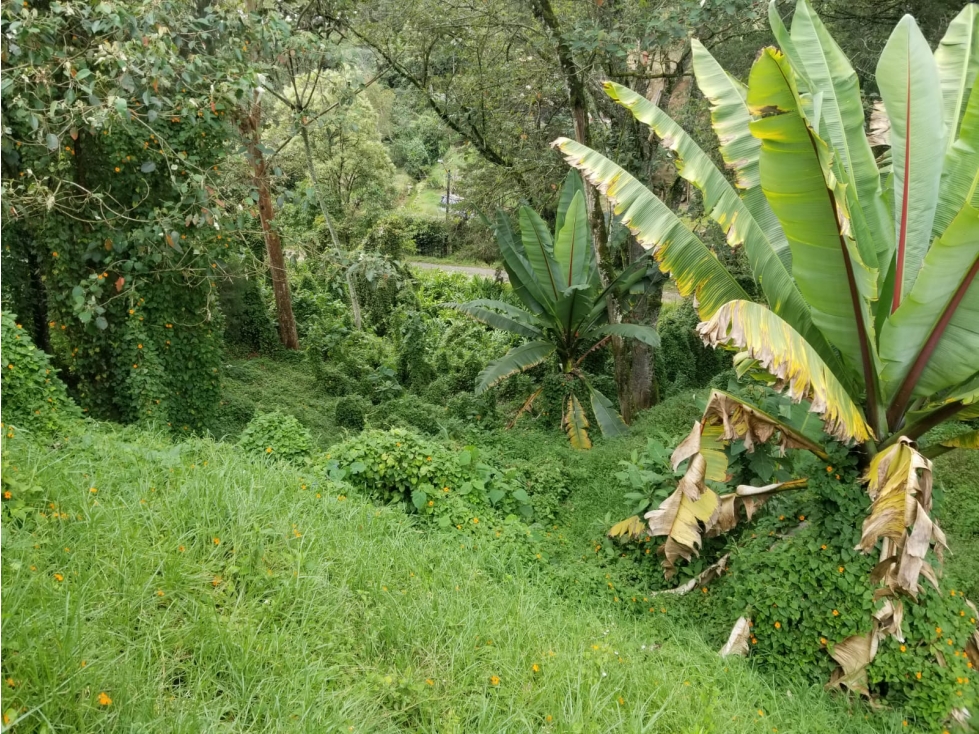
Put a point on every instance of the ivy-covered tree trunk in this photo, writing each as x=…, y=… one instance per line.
x=252, y=129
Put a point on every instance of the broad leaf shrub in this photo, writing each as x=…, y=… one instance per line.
x=795, y=573
x=34, y=397
x=449, y=487
x=276, y=436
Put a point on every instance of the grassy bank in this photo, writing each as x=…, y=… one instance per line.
x=199, y=591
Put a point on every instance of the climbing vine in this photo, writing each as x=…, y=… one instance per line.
x=117, y=120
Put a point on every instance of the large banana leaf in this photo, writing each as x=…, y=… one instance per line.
x=783, y=352
x=911, y=89
x=500, y=315
x=957, y=57
x=829, y=267
x=841, y=121
x=695, y=268
x=539, y=249
x=571, y=186
x=960, y=174
x=519, y=359
x=571, y=251
x=645, y=334
x=954, y=360
x=518, y=268
x=572, y=244
x=724, y=205
x=730, y=117
x=608, y=419
x=932, y=306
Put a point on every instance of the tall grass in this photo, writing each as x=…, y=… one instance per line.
x=198, y=591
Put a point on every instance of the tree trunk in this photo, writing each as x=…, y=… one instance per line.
x=251, y=126
x=635, y=374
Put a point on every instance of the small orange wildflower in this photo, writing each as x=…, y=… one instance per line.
x=104, y=699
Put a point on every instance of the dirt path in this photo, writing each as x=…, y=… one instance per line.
x=670, y=293
x=467, y=269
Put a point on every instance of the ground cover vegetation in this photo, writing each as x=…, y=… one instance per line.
x=263, y=473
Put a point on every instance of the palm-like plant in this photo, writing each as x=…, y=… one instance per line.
x=868, y=270
x=566, y=315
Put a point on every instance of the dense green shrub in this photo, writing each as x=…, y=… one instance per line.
x=331, y=379
x=349, y=412
x=247, y=325
x=34, y=397
x=233, y=414
x=682, y=361
x=277, y=436
x=409, y=411
x=796, y=574
x=478, y=410
x=449, y=487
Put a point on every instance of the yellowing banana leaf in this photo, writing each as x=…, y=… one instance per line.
x=928, y=322
x=751, y=499
x=677, y=518
x=678, y=251
x=841, y=121
x=833, y=272
x=911, y=89
x=632, y=528
x=709, y=442
x=957, y=58
x=739, y=148
x=576, y=424
x=967, y=440
x=766, y=247
x=518, y=359
x=899, y=481
x=854, y=654
x=787, y=356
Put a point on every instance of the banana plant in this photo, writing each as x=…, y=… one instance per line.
x=868, y=271
x=566, y=316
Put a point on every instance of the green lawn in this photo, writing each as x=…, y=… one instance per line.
x=199, y=591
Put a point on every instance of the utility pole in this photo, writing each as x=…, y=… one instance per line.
x=448, y=201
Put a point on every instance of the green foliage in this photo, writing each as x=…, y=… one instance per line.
x=349, y=412
x=129, y=271
x=418, y=140
x=796, y=575
x=276, y=436
x=247, y=325
x=682, y=361
x=564, y=314
x=216, y=565
x=409, y=411
x=34, y=397
x=448, y=487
